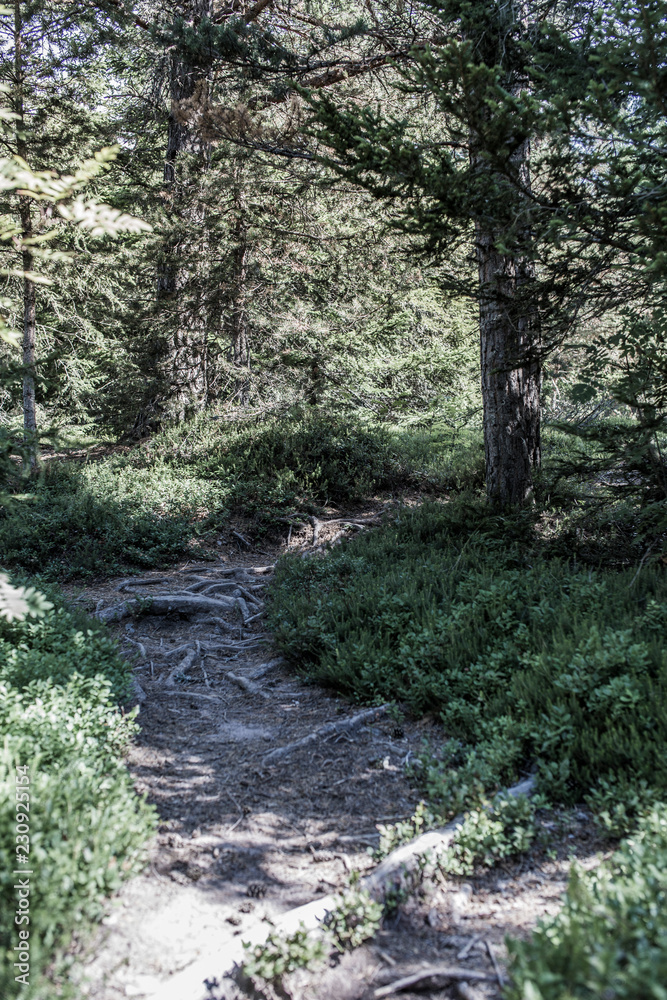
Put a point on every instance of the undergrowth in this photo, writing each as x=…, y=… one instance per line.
x=63, y=739
x=609, y=940
x=526, y=659
x=153, y=504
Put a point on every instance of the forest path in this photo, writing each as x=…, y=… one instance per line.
x=241, y=839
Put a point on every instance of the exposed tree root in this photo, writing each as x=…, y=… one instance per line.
x=331, y=729
x=181, y=667
x=246, y=684
x=164, y=604
x=133, y=584
x=266, y=668
x=434, y=972
x=189, y=984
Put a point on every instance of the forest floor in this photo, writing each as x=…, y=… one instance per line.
x=242, y=840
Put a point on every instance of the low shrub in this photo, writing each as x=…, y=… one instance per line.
x=503, y=829
x=63, y=741
x=609, y=940
x=452, y=609
x=281, y=954
x=147, y=507
x=355, y=918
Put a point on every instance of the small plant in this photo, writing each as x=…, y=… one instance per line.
x=355, y=918
x=507, y=827
x=404, y=831
x=281, y=954
x=617, y=804
x=608, y=940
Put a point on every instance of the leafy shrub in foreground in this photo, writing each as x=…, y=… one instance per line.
x=55, y=646
x=610, y=938
x=87, y=828
x=88, y=831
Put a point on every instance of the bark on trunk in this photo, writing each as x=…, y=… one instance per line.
x=238, y=306
x=29, y=345
x=509, y=326
x=27, y=260
x=511, y=375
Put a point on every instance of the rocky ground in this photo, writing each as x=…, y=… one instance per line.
x=245, y=837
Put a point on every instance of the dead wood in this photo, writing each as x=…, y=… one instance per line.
x=434, y=972
x=237, y=534
x=401, y=862
x=331, y=729
x=189, y=984
x=164, y=604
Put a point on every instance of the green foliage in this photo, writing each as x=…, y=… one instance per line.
x=404, y=831
x=487, y=835
x=618, y=802
x=147, y=507
x=355, y=918
x=281, y=954
x=453, y=609
x=54, y=647
x=610, y=937
x=60, y=677
x=304, y=457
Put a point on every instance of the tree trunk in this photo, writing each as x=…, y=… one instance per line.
x=238, y=305
x=511, y=373
x=27, y=260
x=29, y=344
x=509, y=321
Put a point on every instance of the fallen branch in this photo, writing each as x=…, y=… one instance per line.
x=164, y=604
x=435, y=972
x=237, y=534
x=331, y=729
x=405, y=859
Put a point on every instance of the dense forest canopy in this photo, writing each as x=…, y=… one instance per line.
x=340, y=200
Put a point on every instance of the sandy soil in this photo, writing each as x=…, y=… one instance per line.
x=241, y=841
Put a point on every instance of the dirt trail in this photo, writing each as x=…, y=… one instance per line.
x=241, y=840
